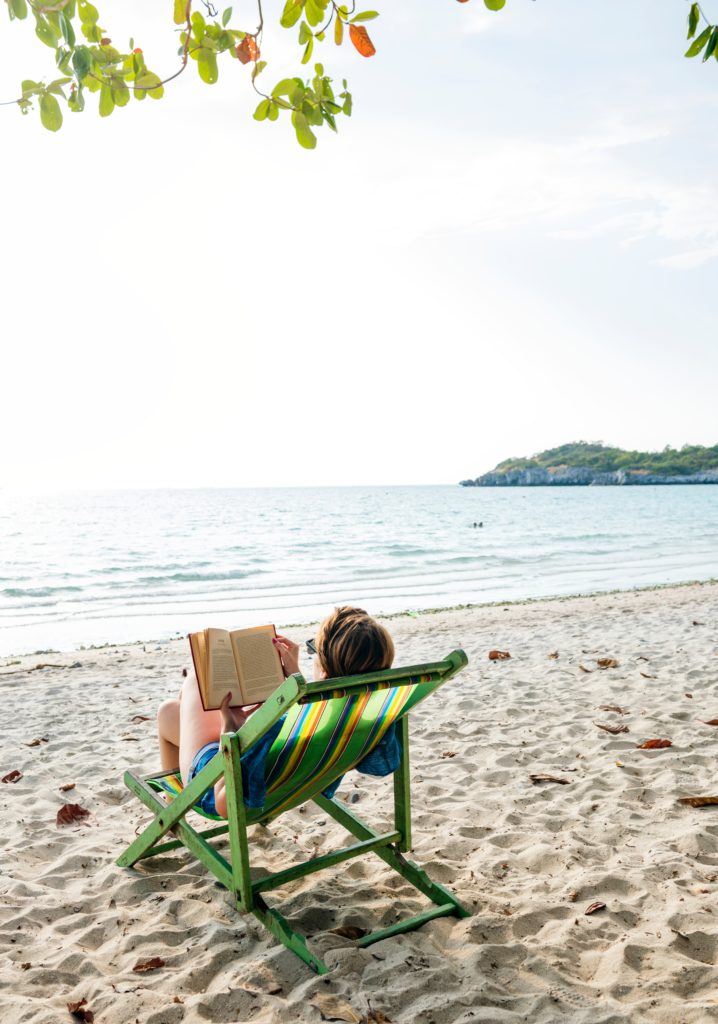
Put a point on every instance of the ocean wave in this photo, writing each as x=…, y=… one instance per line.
x=37, y=591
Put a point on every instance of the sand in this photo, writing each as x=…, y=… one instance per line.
x=528, y=859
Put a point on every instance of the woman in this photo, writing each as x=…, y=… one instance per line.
x=348, y=642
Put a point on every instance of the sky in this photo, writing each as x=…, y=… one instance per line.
x=512, y=244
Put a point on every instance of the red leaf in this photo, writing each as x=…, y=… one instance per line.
x=360, y=37
x=13, y=776
x=499, y=655
x=247, y=50
x=654, y=745
x=70, y=813
x=152, y=964
x=712, y=721
x=594, y=907
x=80, y=1011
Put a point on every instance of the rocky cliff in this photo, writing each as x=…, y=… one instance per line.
x=579, y=476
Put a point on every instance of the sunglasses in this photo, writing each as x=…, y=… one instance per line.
x=311, y=646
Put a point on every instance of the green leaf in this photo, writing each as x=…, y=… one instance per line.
x=18, y=9
x=305, y=136
x=308, y=49
x=712, y=43
x=180, y=12
x=44, y=32
x=286, y=86
x=693, y=19
x=495, y=5
x=262, y=111
x=273, y=112
x=56, y=86
x=329, y=118
x=338, y=31
x=226, y=15
x=368, y=15
x=81, y=61
x=107, y=104
x=314, y=11
x=305, y=33
x=258, y=68
x=50, y=113
x=207, y=66
x=292, y=13
x=88, y=13
x=76, y=102
x=198, y=26
x=347, y=108
x=697, y=45
x=120, y=93
x=149, y=84
x=67, y=30
x=319, y=69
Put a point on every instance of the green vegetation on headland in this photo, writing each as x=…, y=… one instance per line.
x=582, y=463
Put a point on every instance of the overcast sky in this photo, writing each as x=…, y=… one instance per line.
x=512, y=244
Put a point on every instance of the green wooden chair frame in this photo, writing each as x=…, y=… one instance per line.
x=234, y=874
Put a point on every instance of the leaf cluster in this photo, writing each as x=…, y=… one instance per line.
x=88, y=61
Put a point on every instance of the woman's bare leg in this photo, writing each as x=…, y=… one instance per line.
x=168, y=731
x=196, y=726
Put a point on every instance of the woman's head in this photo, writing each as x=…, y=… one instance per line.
x=349, y=642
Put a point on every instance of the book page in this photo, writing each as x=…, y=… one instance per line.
x=198, y=647
x=259, y=664
x=222, y=675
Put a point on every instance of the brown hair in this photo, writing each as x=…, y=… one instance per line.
x=350, y=642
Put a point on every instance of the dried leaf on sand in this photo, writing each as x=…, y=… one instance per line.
x=584, y=669
x=333, y=1008
x=607, y=663
x=614, y=729
x=699, y=801
x=593, y=907
x=81, y=1011
x=70, y=813
x=613, y=707
x=13, y=776
x=499, y=655
x=536, y=779
x=654, y=745
x=349, y=931
x=153, y=964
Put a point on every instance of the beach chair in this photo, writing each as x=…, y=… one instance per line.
x=329, y=727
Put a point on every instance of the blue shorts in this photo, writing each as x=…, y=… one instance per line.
x=200, y=760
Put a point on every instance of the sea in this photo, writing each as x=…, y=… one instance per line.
x=82, y=569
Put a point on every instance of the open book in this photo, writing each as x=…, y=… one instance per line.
x=243, y=662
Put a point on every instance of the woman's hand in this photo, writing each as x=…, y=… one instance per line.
x=234, y=718
x=288, y=653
